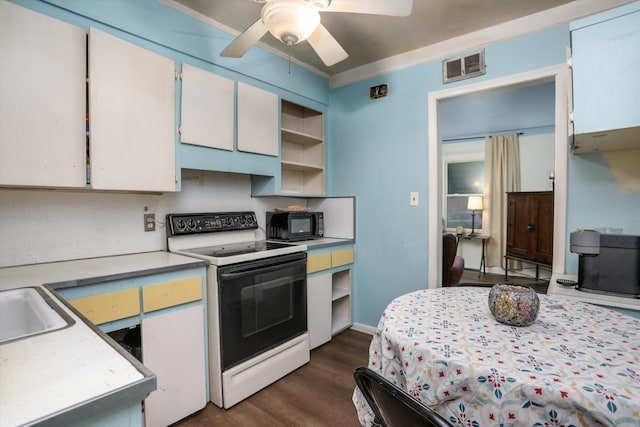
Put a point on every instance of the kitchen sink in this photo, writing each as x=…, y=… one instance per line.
x=25, y=312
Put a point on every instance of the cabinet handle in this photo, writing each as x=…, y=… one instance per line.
x=531, y=227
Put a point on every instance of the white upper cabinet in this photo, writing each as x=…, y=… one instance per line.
x=258, y=129
x=132, y=116
x=42, y=100
x=606, y=92
x=208, y=102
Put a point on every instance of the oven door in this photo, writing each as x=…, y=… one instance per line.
x=263, y=304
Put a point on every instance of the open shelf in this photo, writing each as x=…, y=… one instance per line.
x=301, y=167
x=340, y=301
x=300, y=137
x=302, y=150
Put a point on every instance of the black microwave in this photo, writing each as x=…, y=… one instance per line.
x=295, y=225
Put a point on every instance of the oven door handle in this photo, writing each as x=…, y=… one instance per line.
x=251, y=270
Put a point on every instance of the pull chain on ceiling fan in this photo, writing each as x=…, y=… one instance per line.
x=293, y=21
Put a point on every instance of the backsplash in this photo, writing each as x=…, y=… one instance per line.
x=39, y=226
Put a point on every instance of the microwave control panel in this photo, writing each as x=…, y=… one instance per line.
x=180, y=224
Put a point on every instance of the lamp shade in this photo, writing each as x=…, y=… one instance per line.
x=474, y=203
x=290, y=21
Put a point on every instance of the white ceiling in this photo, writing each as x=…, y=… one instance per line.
x=371, y=38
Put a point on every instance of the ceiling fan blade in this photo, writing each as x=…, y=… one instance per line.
x=373, y=7
x=327, y=48
x=245, y=41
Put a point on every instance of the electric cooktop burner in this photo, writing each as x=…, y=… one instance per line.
x=237, y=248
x=222, y=238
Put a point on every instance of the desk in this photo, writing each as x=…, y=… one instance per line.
x=577, y=364
x=483, y=239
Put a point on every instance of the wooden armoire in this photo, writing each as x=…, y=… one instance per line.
x=530, y=226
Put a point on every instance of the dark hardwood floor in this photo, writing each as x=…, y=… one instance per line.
x=317, y=394
x=471, y=276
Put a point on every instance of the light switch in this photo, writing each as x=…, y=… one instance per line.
x=413, y=198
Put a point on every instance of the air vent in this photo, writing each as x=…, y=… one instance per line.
x=463, y=67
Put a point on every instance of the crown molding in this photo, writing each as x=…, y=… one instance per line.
x=478, y=39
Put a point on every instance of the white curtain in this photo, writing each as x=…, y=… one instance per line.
x=501, y=175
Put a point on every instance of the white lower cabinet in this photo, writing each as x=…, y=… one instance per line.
x=170, y=311
x=328, y=294
x=172, y=348
x=319, y=309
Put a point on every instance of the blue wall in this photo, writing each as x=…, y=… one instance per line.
x=529, y=108
x=379, y=154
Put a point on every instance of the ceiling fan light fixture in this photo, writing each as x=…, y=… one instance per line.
x=290, y=21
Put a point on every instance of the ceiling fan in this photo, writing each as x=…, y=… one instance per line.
x=293, y=21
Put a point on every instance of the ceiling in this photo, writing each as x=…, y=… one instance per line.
x=370, y=38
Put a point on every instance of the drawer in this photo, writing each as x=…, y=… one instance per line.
x=109, y=307
x=342, y=257
x=329, y=260
x=168, y=294
x=318, y=262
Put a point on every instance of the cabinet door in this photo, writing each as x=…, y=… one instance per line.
x=132, y=116
x=173, y=349
x=605, y=63
x=42, y=100
x=319, y=309
x=517, y=222
x=543, y=210
x=208, y=103
x=257, y=120
x=530, y=226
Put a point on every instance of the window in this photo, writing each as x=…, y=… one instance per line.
x=464, y=179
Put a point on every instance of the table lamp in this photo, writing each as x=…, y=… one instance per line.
x=474, y=204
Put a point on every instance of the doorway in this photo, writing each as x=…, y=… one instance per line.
x=560, y=75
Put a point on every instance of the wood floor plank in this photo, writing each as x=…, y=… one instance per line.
x=317, y=394
x=471, y=276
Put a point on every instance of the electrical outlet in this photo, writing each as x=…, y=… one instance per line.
x=149, y=222
x=413, y=199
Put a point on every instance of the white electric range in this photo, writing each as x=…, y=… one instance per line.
x=256, y=301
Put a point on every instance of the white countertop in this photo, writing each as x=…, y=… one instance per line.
x=39, y=274
x=321, y=242
x=45, y=374
x=590, y=297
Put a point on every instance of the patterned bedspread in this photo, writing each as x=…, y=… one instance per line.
x=577, y=365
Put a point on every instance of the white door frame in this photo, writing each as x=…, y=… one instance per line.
x=561, y=75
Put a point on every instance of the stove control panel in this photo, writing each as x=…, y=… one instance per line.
x=180, y=224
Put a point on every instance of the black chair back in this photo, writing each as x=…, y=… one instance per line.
x=392, y=406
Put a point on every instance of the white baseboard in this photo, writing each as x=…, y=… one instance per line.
x=361, y=327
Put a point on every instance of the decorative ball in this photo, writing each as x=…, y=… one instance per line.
x=514, y=305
